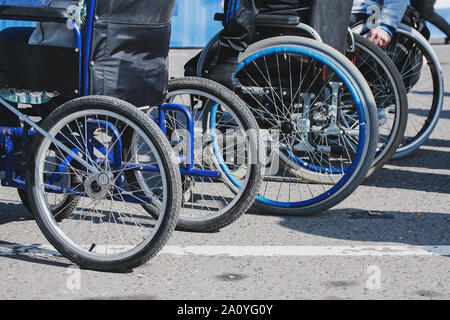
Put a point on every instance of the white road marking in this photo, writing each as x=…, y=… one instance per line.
x=258, y=251
x=309, y=251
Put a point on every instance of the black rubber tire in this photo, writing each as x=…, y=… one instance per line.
x=170, y=168
x=247, y=197
x=401, y=110
x=435, y=109
x=372, y=123
x=69, y=205
x=24, y=198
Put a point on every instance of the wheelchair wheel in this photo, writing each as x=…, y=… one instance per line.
x=390, y=96
x=230, y=149
x=62, y=204
x=320, y=120
x=422, y=76
x=108, y=230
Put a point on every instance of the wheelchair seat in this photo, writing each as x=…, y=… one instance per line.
x=120, y=59
x=29, y=73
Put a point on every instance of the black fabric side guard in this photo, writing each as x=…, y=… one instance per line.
x=130, y=47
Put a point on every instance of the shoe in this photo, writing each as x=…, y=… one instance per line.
x=222, y=66
x=224, y=73
x=190, y=68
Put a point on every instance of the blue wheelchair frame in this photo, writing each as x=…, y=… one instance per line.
x=7, y=133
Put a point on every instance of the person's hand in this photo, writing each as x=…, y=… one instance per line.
x=380, y=37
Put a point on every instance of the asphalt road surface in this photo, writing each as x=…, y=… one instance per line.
x=399, y=251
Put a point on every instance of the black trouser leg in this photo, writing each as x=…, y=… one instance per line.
x=430, y=15
x=331, y=20
x=426, y=9
x=239, y=24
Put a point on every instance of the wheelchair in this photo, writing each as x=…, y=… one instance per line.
x=99, y=174
x=379, y=71
x=421, y=73
x=317, y=113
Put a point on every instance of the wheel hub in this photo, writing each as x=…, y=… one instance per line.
x=98, y=186
x=288, y=127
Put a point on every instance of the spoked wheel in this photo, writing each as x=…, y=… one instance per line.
x=320, y=119
x=226, y=172
x=390, y=96
x=61, y=205
x=108, y=228
x=422, y=76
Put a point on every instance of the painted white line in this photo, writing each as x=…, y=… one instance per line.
x=306, y=251
x=258, y=251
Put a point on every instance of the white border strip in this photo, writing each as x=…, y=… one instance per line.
x=306, y=251
x=259, y=251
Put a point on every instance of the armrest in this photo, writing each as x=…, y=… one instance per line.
x=269, y=19
x=38, y=14
x=273, y=19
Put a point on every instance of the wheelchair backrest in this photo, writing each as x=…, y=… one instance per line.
x=125, y=50
x=129, y=53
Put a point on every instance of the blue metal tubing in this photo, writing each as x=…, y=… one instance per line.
x=13, y=183
x=200, y=173
x=124, y=197
x=79, y=44
x=162, y=120
x=117, y=152
x=189, y=161
x=87, y=47
x=11, y=131
x=115, y=156
x=61, y=168
x=185, y=172
x=7, y=147
x=6, y=133
x=190, y=127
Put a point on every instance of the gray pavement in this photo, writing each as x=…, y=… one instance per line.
x=411, y=197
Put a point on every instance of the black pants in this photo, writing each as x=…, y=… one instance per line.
x=426, y=9
x=329, y=18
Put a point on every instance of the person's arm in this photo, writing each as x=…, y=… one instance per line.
x=391, y=14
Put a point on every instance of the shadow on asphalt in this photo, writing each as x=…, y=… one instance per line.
x=16, y=254
x=407, y=180
x=445, y=114
x=13, y=212
x=421, y=228
x=423, y=158
x=438, y=143
x=399, y=175
x=413, y=228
